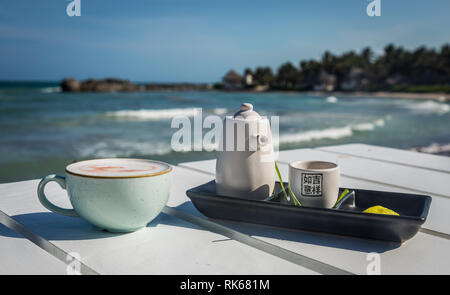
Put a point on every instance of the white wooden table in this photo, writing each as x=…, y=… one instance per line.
x=183, y=241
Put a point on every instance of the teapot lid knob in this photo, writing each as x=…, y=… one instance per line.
x=246, y=111
x=246, y=106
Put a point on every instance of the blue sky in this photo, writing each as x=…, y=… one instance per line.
x=198, y=41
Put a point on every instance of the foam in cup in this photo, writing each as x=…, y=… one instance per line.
x=118, y=168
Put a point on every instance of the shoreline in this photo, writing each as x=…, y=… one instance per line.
x=437, y=96
x=121, y=85
x=442, y=97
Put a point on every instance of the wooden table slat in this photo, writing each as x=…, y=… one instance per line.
x=168, y=245
x=348, y=253
x=402, y=157
x=411, y=178
x=20, y=256
x=438, y=217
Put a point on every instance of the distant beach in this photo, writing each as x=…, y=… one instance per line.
x=121, y=85
x=443, y=97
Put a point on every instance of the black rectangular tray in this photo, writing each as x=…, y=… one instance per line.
x=348, y=220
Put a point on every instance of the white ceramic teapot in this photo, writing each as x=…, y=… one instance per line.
x=245, y=165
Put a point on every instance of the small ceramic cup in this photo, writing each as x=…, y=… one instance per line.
x=119, y=195
x=314, y=183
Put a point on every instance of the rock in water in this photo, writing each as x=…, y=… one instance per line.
x=98, y=85
x=119, y=85
x=70, y=85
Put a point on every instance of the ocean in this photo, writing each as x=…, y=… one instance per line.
x=42, y=129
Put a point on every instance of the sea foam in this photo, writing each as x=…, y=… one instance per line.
x=332, y=99
x=162, y=114
x=124, y=148
x=50, y=89
x=428, y=107
x=149, y=115
x=330, y=133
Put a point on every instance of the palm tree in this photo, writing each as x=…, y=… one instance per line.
x=287, y=76
x=397, y=68
x=309, y=73
x=263, y=76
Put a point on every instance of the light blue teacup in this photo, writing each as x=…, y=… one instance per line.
x=118, y=195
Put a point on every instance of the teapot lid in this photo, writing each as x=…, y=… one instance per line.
x=246, y=112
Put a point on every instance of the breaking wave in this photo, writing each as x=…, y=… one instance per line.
x=126, y=148
x=162, y=114
x=220, y=111
x=330, y=133
x=332, y=99
x=123, y=148
x=50, y=89
x=368, y=126
x=428, y=107
x=153, y=115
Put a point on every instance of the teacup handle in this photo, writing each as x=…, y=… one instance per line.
x=61, y=180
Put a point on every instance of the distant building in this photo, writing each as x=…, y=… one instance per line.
x=248, y=80
x=357, y=79
x=395, y=79
x=326, y=82
x=232, y=80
